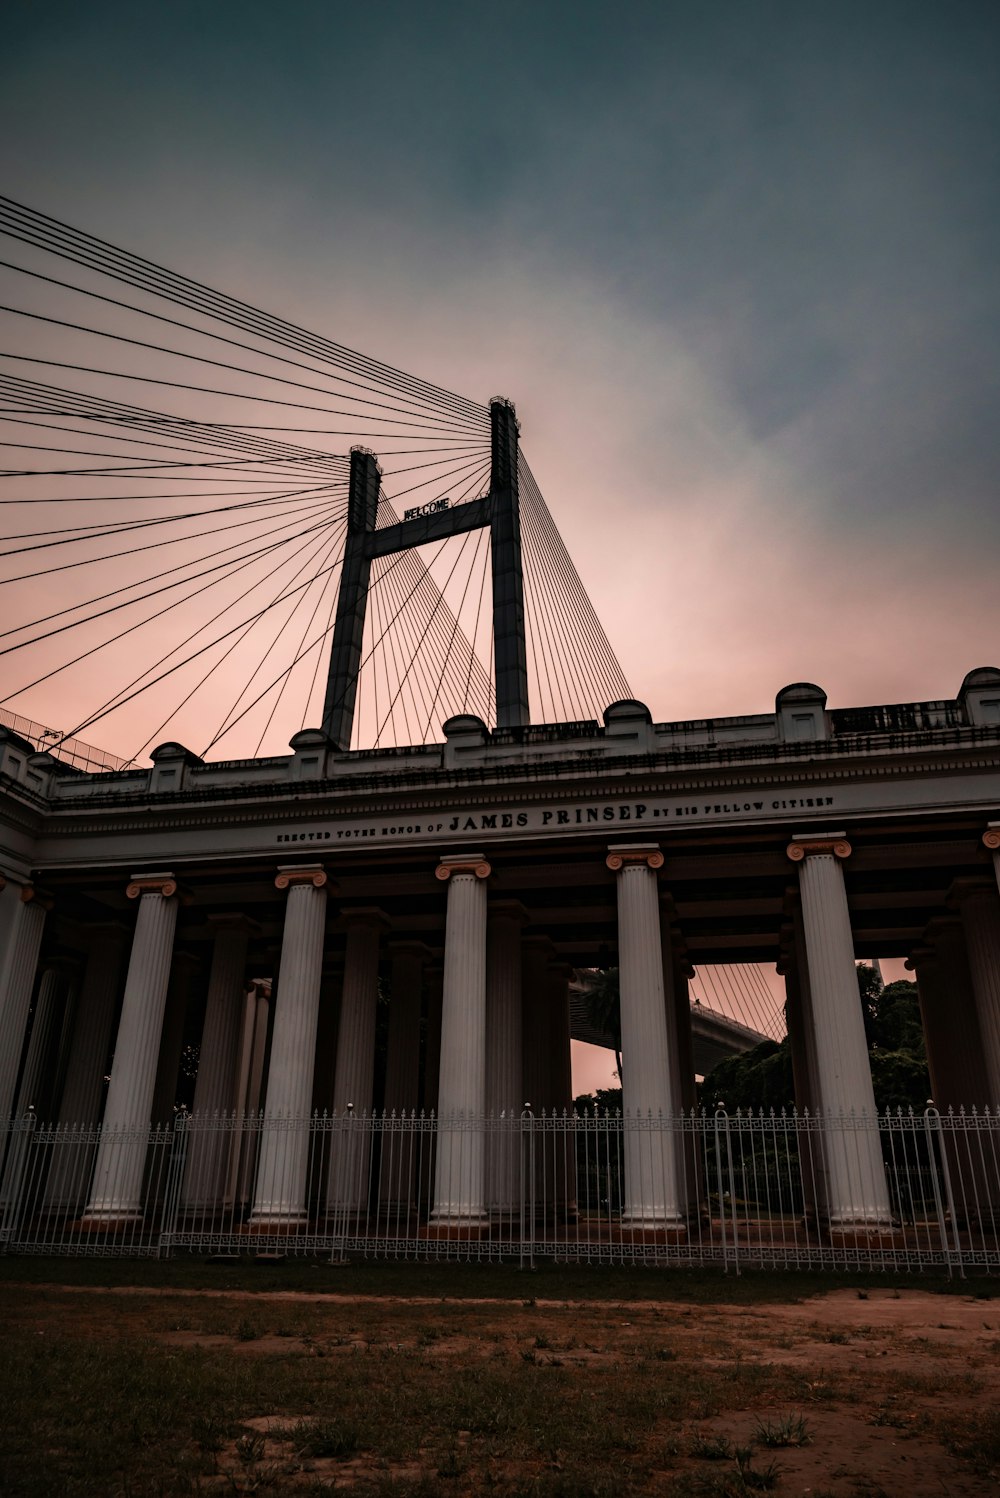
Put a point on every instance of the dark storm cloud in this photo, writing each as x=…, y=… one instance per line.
x=759, y=240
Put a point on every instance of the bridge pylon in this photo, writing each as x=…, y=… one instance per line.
x=499, y=509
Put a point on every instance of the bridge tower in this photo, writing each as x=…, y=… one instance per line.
x=499, y=509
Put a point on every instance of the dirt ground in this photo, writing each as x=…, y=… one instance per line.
x=847, y=1394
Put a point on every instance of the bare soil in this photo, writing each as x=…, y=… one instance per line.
x=858, y=1394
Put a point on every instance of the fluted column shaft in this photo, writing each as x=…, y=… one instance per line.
x=38, y=1062
x=17, y=980
x=208, y=1160
x=402, y=1070
x=116, y=1191
x=537, y=952
x=925, y=964
x=168, y=1065
x=355, y=1069
x=677, y=1010
x=282, y=1165
x=504, y=1059
x=652, y=1198
x=253, y=1051
x=857, y=1192
x=354, y=1078
x=959, y=1035
x=90, y=1043
x=216, y=1083
x=93, y=1027
x=504, y=1054
x=979, y=905
x=459, y=1189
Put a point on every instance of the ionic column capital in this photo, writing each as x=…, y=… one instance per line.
x=32, y=895
x=463, y=863
x=507, y=910
x=409, y=946
x=291, y=874
x=621, y=855
x=991, y=837
x=920, y=957
x=233, y=921
x=151, y=884
x=971, y=888
x=809, y=845
x=365, y=917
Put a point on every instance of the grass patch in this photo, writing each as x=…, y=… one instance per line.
x=786, y=1430
x=460, y=1280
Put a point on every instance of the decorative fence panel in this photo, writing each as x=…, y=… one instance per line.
x=741, y=1191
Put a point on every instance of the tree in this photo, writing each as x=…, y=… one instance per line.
x=762, y=1078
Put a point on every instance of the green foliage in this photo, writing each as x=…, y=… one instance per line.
x=762, y=1077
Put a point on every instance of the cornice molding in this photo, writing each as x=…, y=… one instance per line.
x=603, y=780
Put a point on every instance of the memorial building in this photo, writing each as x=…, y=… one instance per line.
x=264, y=908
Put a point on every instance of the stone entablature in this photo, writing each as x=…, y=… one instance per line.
x=560, y=780
x=800, y=727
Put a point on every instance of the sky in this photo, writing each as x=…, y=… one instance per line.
x=736, y=265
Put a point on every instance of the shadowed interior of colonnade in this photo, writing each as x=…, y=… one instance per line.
x=324, y=999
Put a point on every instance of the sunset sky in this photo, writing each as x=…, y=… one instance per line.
x=736, y=264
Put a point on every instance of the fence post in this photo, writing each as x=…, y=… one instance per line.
x=722, y=1129
x=175, y=1178
x=932, y=1124
x=20, y=1133
x=527, y=1187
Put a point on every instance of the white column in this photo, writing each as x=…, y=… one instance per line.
x=459, y=1188
x=355, y=1070
x=652, y=1199
x=991, y=839
x=283, y=1160
x=855, y=1182
x=677, y=1009
x=561, y=1087
x=211, y=1138
x=536, y=953
x=168, y=1065
x=17, y=981
x=354, y=1075
x=979, y=906
x=253, y=1050
x=402, y=1067
x=504, y=1063
x=940, y=1035
x=946, y=937
x=433, y=985
x=45, y=1026
x=90, y=1045
x=116, y=1192
x=402, y=1156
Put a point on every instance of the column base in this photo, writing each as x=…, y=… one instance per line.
x=456, y=1229
x=648, y=1232
x=107, y=1221
x=275, y=1224
x=863, y=1234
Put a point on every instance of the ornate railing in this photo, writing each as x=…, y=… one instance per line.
x=741, y=1190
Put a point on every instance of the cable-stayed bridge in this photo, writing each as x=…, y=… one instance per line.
x=176, y=493
x=190, y=486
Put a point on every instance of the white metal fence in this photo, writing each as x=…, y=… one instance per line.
x=901, y=1191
